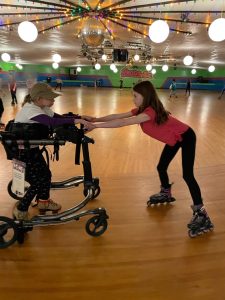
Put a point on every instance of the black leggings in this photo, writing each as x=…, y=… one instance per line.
x=38, y=175
x=187, y=145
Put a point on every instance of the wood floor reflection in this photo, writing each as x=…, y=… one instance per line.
x=146, y=252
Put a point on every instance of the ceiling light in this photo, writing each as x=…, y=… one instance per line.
x=193, y=71
x=27, y=31
x=211, y=68
x=55, y=65
x=97, y=66
x=104, y=57
x=5, y=57
x=136, y=57
x=216, y=30
x=149, y=67
x=115, y=70
x=56, y=58
x=78, y=69
x=165, y=68
x=19, y=66
x=153, y=71
x=159, y=31
x=188, y=60
x=112, y=67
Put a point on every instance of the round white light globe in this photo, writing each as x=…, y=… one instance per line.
x=55, y=65
x=149, y=67
x=159, y=31
x=56, y=58
x=104, y=57
x=112, y=67
x=216, y=30
x=193, y=71
x=211, y=68
x=5, y=57
x=27, y=31
x=165, y=68
x=188, y=60
x=153, y=71
x=78, y=69
x=97, y=66
x=136, y=57
x=115, y=70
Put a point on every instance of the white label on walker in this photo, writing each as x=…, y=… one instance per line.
x=18, y=183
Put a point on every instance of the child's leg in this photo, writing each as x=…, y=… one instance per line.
x=200, y=222
x=165, y=194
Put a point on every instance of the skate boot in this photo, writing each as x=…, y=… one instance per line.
x=163, y=196
x=200, y=222
x=48, y=205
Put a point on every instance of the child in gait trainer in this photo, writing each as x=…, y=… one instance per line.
x=36, y=109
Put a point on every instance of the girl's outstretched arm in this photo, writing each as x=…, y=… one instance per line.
x=108, y=117
x=125, y=121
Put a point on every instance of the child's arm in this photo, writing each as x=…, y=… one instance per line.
x=108, y=117
x=141, y=118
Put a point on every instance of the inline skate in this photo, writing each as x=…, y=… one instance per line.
x=200, y=222
x=164, y=196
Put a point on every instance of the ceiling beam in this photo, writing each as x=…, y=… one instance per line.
x=153, y=4
x=166, y=19
x=175, y=11
x=146, y=24
x=127, y=27
x=108, y=30
x=32, y=13
x=30, y=7
x=55, y=26
x=115, y=4
x=57, y=4
x=34, y=20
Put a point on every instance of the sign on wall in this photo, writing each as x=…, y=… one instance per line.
x=127, y=72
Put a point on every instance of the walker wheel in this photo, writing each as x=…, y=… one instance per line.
x=96, y=192
x=8, y=232
x=96, y=225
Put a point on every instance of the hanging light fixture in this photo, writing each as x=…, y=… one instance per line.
x=216, y=30
x=188, y=60
x=148, y=67
x=104, y=57
x=5, y=57
x=78, y=69
x=27, y=31
x=193, y=71
x=97, y=66
x=56, y=58
x=112, y=66
x=165, y=68
x=55, y=65
x=159, y=31
x=136, y=57
x=153, y=71
x=211, y=68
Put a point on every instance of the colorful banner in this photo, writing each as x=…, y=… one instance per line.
x=127, y=72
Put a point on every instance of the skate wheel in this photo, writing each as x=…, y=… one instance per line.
x=191, y=234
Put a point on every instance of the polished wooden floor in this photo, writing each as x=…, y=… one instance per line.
x=146, y=252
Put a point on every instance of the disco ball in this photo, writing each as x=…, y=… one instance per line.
x=92, y=32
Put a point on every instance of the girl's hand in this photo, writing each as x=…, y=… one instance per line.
x=89, y=118
x=87, y=125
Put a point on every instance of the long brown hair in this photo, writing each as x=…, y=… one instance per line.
x=27, y=99
x=150, y=98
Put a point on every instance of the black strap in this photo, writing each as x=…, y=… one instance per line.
x=44, y=150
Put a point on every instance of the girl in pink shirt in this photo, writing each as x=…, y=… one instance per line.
x=156, y=122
